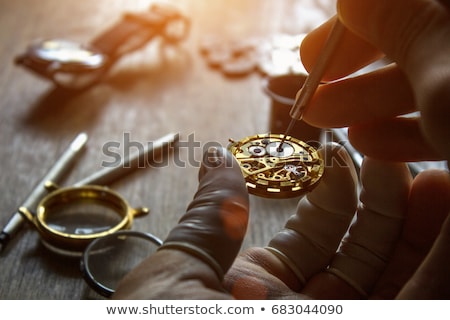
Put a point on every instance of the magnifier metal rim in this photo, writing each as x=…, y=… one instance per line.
x=79, y=242
x=84, y=265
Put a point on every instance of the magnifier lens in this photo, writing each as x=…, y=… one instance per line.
x=83, y=217
x=108, y=259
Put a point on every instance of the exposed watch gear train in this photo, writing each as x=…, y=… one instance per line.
x=275, y=171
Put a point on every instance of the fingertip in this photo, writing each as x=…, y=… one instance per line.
x=220, y=176
x=396, y=139
x=431, y=190
x=221, y=168
x=214, y=157
x=434, y=106
x=385, y=186
x=427, y=181
x=352, y=53
x=344, y=12
x=354, y=15
x=428, y=206
x=431, y=281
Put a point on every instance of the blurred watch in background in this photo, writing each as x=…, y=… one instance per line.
x=76, y=66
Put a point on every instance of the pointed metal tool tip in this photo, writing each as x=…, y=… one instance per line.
x=4, y=238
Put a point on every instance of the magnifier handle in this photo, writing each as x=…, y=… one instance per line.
x=141, y=211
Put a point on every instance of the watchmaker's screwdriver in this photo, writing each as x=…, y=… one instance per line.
x=311, y=83
x=54, y=174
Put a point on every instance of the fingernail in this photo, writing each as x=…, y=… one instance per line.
x=213, y=157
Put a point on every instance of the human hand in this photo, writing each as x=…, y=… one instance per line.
x=379, y=258
x=412, y=33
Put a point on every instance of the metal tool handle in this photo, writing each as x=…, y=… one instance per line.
x=108, y=175
x=39, y=191
x=313, y=80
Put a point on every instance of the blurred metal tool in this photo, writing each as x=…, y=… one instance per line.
x=108, y=175
x=55, y=174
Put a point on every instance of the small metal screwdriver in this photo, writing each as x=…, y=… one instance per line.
x=308, y=89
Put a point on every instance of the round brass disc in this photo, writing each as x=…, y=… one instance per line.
x=274, y=172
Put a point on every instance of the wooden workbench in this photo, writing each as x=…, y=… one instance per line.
x=145, y=96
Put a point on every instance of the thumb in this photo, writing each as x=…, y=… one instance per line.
x=201, y=248
x=216, y=220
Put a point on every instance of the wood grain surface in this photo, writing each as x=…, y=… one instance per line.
x=147, y=95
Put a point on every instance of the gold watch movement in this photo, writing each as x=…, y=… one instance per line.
x=275, y=171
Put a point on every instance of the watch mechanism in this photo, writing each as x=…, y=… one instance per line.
x=275, y=171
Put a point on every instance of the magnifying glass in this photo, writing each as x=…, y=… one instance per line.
x=108, y=259
x=68, y=219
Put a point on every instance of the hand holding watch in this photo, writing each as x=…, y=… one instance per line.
x=76, y=66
